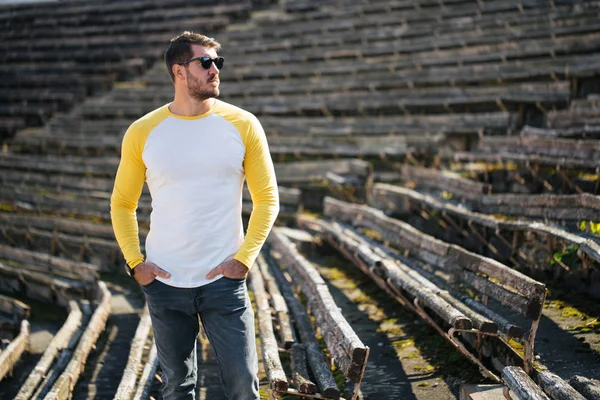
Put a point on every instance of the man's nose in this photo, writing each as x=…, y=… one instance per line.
x=213, y=69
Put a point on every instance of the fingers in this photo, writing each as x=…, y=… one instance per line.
x=160, y=272
x=215, y=272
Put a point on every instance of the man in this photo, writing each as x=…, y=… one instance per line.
x=194, y=153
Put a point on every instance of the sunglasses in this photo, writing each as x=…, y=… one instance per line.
x=206, y=61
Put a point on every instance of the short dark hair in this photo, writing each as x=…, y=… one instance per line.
x=180, y=48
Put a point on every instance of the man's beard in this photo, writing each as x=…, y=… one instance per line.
x=199, y=92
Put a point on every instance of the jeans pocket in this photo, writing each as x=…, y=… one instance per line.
x=144, y=287
x=239, y=280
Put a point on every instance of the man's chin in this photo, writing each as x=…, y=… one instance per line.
x=206, y=95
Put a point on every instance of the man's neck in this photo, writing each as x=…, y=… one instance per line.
x=191, y=108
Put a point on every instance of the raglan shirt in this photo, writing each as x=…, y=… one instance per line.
x=195, y=169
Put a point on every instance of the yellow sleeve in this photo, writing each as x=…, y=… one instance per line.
x=129, y=182
x=260, y=176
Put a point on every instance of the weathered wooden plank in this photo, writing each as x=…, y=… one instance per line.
x=396, y=231
x=329, y=315
x=526, y=286
x=521, y=385
x=65, y=225
x=57, y=182
x=521, y=304
x=302, y=266
x=316, y=360
x=375, y=23
x=14, y=307
x=353, y=345
x=589, y=200
x=103, y=252
x=505, y=326
x=307, y=171
x=299, y=366
x=286, y=332
x=589, y=388
x=577, y=132
x=83, y=271
x=526, y=158
x=303, y=241
x=554, y=147
x=54, y=373
x=41, y=286
x=59, y=342
x=321, y=371
x=392, y=198
x=338, y=180
x=147, y=378
x=10, y=355
x=126, y=388
x=442, y=289
x=352, y=147
x=372, y=254
x=305, y=330
x=437, y=304
x=480, y=322
x=351, y=370
x=557, y=388
x=546, y=213
x=533, y=200
x=66, y=382
x=273, y=367
x=444, y=180
x=361, y=168
x=28, y=200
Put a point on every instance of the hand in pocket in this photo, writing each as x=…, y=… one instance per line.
x=147, y=272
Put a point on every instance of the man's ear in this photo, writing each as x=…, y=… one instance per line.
x=178, y=71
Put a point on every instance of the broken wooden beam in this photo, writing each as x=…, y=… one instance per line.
x=444, y=180
x=438, y=305
x=12, y=354
x=321, y=371
x=394, y=199
x=59, y=342
x=316, y=360
x=589, y=388
x=308, y=171
x=521, y=385
x=126, y=388
x=318, y=294
x=379, y=262
x=273, y=367
x=300, y=375
x=286, y=331
x=301, y=318
x=432, y=250
x=64, y=356
x=147, y=378
x=50, y=264
x=556, y=387
x=303, y=240
x=363, y=247
x=66, y=382
x=14, y=307
x=41, y=286
x=508, y=328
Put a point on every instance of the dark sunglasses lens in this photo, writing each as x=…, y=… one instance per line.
x=206, y=62
x=219, y=62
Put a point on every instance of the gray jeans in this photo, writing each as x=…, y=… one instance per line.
x=227, y=316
